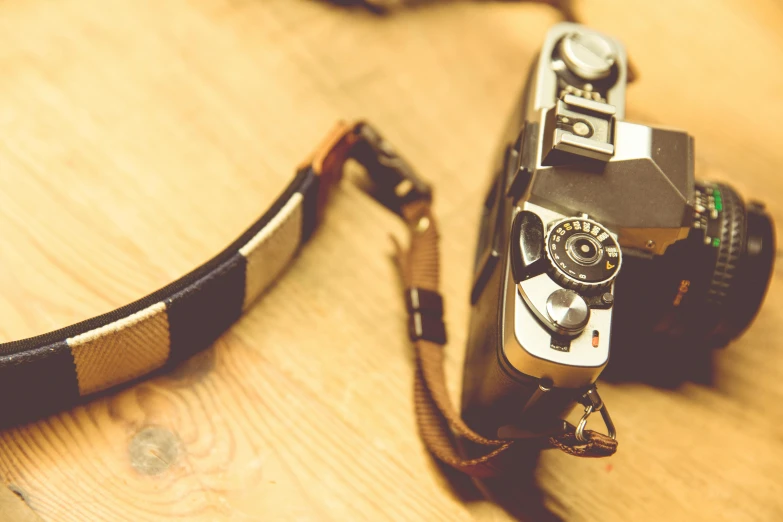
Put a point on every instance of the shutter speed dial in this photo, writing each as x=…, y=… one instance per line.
x=583, y=255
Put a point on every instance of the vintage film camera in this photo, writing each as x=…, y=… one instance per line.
x=595, y=233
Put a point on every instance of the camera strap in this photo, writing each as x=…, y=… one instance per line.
x=397, y=187
x=57, y=370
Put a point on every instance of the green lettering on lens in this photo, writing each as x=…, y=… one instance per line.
x=718, y=200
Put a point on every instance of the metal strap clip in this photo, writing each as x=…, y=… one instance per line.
x=592, y=403
x=395, y=183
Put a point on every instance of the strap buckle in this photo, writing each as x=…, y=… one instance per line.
x=425, y=309
x=394, y=182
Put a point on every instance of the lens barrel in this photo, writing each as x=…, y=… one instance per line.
x=751, y=276
x=707, y=288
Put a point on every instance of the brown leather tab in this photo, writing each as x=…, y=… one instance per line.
x=328, y=159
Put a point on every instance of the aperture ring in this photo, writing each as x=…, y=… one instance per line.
x=731, y=247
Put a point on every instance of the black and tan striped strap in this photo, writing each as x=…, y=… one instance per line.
x=56, y=370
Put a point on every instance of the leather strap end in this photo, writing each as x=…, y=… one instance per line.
x=328, y=159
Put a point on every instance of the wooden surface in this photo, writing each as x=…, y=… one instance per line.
x=140, y=137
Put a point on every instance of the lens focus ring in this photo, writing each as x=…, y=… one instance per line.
x=732, y=245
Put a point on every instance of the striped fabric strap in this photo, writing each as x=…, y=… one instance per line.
x=57, y=370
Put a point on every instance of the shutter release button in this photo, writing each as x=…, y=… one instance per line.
x=568, y=311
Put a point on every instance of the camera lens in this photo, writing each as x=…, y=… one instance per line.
x=708, y=287
x=584, y=249
x=752, y=274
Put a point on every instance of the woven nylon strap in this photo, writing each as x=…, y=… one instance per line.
x=439, y=423
x=437, y=418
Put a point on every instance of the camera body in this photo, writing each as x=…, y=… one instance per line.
x=590, y=218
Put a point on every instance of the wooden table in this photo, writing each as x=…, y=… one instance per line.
x=139, y=137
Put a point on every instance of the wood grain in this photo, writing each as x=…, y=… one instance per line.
x=139, y=137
